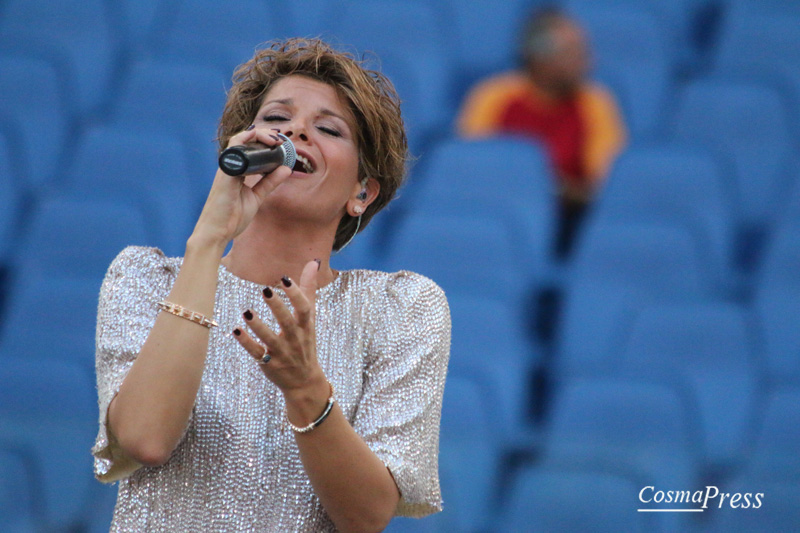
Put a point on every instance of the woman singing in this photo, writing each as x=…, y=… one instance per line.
x=262, y=390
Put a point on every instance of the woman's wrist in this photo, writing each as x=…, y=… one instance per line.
x=205, y=244
x=304, y=404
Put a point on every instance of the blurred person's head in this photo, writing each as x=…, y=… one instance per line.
x=373, y=103
x=555, y=52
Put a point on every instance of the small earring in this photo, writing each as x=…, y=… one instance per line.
x=358, y=210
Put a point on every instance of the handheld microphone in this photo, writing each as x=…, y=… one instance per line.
x=257, y=158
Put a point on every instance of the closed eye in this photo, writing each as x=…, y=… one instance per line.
x=329, y=131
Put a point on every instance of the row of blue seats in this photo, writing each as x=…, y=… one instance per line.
x=629, y=433
x=669, y=203
x=731, y=203
x=644, y=81
x=608, y=440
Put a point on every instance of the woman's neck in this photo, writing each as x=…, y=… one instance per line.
x=264, y=252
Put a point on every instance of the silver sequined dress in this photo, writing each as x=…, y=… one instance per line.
x=383, y=341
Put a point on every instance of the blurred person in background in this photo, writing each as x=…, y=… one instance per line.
x=551, y=101
x=263, y=390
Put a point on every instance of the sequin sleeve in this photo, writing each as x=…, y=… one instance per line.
x=400, y=410
x=135, y=282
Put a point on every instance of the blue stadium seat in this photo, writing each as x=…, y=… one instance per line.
x=708, y=353
x=777, y=304
x=677, y=187
x=629, y=34
x=410, y=51
x=633, y=54
x=76, y=238
x=774, y=454
x=34, y=123
x=791, y=216
x=601, y=430
x=489, y=345
x=482, y=37
x=75, y=36
x=140, y=23
x=422, y=82
x=777, y=506
x=556, y=496
x=745, y=125
x=220, y=35
x=470, y=454
x=68, y=311
x=763, y=7
x=643, y=91
x=145, y=168
x=645, y=427
x=762, y=46
x=675, y=20
x=10, y=201
x=460, y=252
x=774, y=471
x=48, y=411
x=618, y=269
x=306, y=18
x=759, y=38
x=183, y=99
x=17, y=498
x=502, y=177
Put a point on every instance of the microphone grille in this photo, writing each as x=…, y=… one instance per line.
x=289, y=152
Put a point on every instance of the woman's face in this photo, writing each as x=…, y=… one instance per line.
x=321, y=126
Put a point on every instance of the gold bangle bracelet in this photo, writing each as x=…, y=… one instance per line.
x=182, y=312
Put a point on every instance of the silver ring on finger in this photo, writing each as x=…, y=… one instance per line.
x=266, y=357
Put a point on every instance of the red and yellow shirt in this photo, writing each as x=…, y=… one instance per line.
x=583, y=135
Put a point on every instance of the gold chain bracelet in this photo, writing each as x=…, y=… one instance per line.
x=179, y=310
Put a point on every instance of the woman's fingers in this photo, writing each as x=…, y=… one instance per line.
x=297, y=330
x=289, y=324
x=252, y=346
x=262, y=331
x=308, y=280
x=250, y=135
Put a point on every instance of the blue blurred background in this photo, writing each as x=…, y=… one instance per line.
x=665, y=351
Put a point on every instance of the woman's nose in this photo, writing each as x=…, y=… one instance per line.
x=302, y=135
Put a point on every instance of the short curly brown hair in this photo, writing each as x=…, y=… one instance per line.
x=380, y=134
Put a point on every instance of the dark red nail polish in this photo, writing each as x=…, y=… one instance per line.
x=267, y=292
x=250, y=127
x=276, y=129
x=237, y=332
x=248, y=315
x=319, y=263
x=286, y=281
x=275, y=137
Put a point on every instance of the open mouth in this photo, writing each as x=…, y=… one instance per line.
x=303, y=165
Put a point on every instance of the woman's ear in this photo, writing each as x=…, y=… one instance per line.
x=366, y=193
x=372, y=188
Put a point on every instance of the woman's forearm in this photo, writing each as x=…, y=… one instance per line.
x=151, y=410
x=354, y=486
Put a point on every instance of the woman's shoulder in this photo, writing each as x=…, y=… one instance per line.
x=403, y=286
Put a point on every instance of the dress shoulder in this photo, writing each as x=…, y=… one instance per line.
x=143, y=260
x=411, y=286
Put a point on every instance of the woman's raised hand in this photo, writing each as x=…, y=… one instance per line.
x=234, y=201
x=292, y=364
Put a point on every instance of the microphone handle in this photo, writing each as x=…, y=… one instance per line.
x=253, y=158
